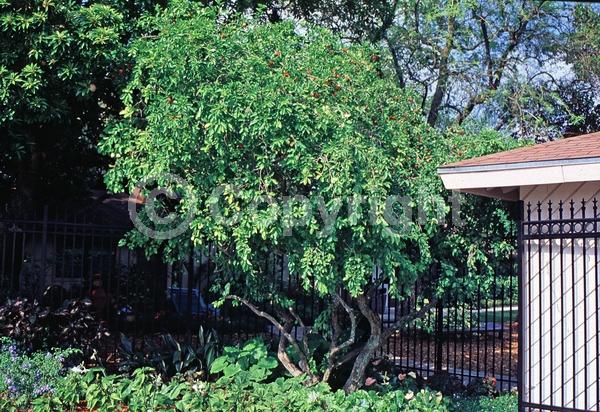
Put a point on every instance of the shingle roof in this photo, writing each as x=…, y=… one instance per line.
x=579, y=147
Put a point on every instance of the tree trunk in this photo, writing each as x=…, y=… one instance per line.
x=377, y=338
x=357, y=375
x=443, y=73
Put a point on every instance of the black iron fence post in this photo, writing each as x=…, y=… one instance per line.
x=189, y=297
x=44, y=263
x=520, y=283
x=439, y=344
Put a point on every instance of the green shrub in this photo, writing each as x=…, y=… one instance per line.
x=504, y=403
x=144, y=390
x=24, y=377
x=246, y=365
x=170, y=356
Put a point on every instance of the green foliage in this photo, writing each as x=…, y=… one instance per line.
x=576, y=111
x=144, y=391
x=457, y=317
x=60, y=63
x=59, y=44
x=24, y=377
x=476, y=257
x=171, y=357
x=275, y=112
x=504, y=403
x=246, y=365
x=466, y=144
x=291, y=395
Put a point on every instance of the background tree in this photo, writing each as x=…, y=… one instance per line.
x=566, y=104
x=465, y=56
x=583, y=50
x=61, y=68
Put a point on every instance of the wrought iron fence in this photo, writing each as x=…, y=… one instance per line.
x=560, y=364
x=81, y=256
x=470, y=338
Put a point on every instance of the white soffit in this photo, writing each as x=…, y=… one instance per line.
x=503, y=180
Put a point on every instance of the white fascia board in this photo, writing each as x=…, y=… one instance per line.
x=474, y=178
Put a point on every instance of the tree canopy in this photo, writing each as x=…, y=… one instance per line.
x=504, y=64
x=285, y=140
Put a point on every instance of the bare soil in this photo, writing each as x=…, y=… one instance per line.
x=493, y=354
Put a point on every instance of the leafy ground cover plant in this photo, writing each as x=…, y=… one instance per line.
x=145, y=390
x=246, y=365
x=503, y=403
x=24, y=377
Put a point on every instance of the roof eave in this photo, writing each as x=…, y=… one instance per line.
x=484, y=179
x=520, y=165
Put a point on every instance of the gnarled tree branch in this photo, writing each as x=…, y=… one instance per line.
x=334, y=348
x=285, y=332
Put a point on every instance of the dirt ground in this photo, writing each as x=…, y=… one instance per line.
x=494, y=354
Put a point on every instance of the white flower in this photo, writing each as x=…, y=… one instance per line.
x=313, y=396
x=199, y=386
x=80, y=369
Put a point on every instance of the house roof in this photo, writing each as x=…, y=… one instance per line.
x=580, y=147
x=501, y=175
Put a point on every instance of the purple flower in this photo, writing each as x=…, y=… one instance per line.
x=12, y=350
x=13, y=391
x=42, y=390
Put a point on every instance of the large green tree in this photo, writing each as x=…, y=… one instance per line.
x=58, y=60
x=284, y=141
x=269, y=112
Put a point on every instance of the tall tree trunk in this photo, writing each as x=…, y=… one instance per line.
x=444, y=70
x=357, y=376
x=377, y=338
